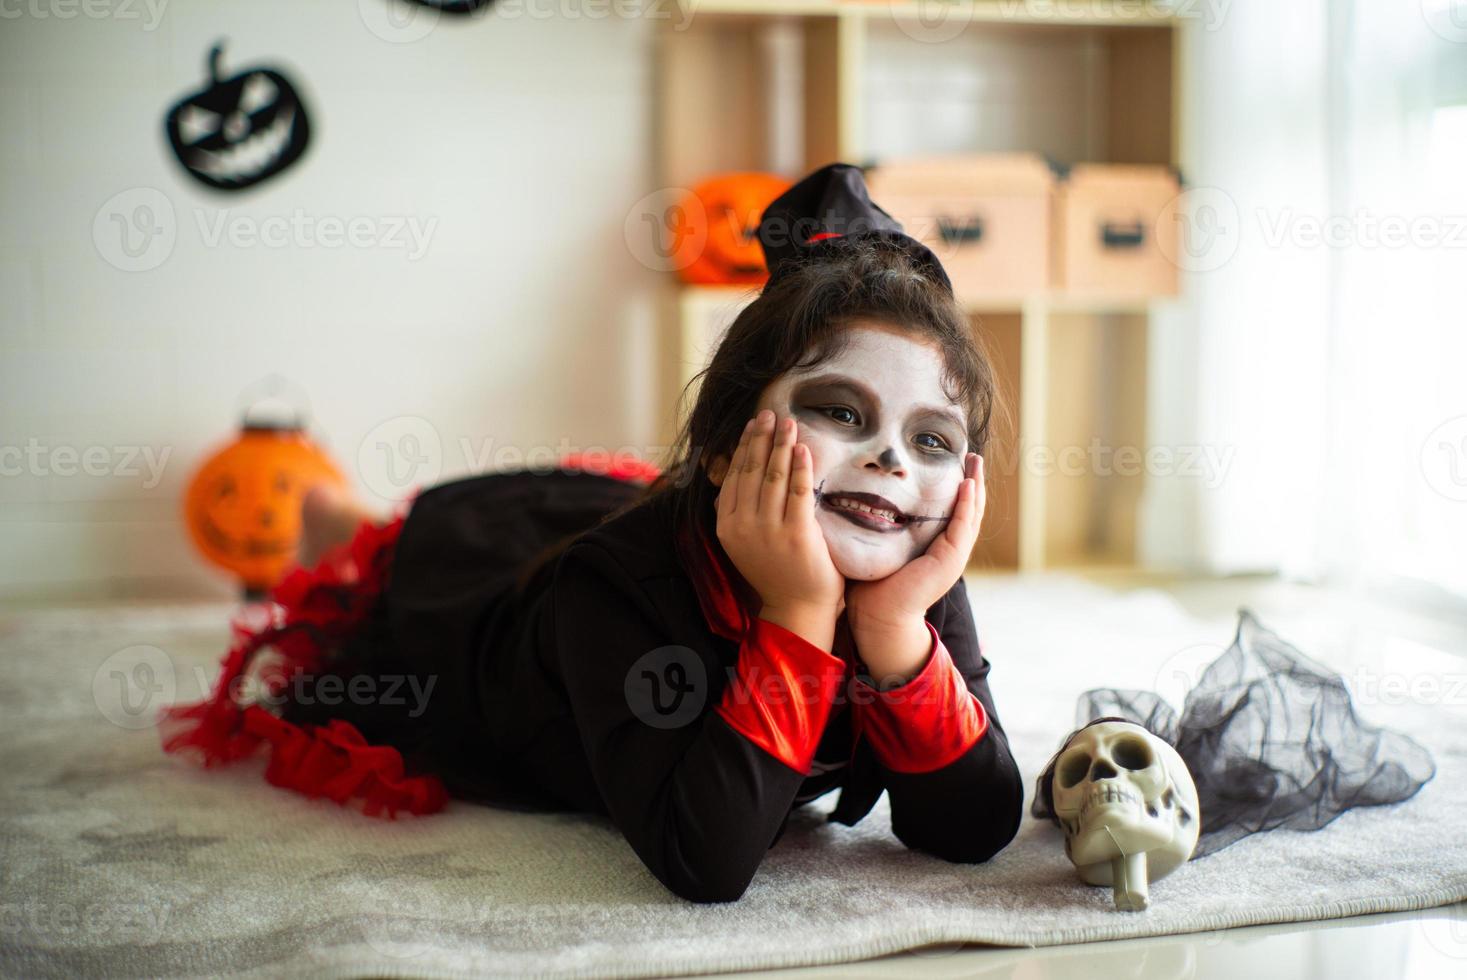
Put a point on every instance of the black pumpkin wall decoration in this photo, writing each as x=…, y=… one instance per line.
x=240, y=130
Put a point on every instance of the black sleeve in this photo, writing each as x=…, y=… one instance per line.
x=698, y=801
x=970, y=809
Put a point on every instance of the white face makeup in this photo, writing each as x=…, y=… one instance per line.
x=882, y=433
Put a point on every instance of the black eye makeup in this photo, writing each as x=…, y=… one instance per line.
x=941, y=442
x=846, y=402
x=834, y=411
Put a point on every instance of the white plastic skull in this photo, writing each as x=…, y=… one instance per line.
x=1128, y=808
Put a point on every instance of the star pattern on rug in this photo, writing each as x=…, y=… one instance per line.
x=164, y=845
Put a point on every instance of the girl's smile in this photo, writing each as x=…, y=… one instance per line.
x=864, y=509
x=884, y=514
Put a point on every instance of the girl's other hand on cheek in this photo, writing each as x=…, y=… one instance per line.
x=893, y=604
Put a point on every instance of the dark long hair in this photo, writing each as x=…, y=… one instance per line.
x=801, y=320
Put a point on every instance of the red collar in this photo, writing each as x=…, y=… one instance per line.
x=720, y=606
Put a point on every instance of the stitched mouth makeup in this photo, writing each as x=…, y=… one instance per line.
x=868, y=510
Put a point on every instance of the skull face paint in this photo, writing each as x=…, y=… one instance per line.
x=886, y=444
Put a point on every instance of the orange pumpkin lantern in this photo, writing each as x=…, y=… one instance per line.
x=728, y=207
x=243, y=506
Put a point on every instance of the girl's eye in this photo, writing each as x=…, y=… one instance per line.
x=846, y=415
x=941, y=443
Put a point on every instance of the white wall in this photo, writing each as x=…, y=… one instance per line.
x=985, y=89
x=517, y=143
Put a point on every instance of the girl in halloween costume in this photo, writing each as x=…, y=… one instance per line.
x=693, y=651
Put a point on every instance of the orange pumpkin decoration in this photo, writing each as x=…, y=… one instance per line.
x=723, y=214
x=243, y=506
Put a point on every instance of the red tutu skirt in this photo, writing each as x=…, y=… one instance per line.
x=309, y=616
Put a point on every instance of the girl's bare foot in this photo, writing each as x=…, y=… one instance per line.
x=329, y=517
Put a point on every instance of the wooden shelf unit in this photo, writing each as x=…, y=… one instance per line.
x=779, y=85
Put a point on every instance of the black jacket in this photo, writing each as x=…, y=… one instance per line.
x=596, y=687
x=599, y=690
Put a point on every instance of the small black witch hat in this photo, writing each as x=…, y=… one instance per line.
x=828, y=211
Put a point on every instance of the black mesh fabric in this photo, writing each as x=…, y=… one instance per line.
x=1271, y=739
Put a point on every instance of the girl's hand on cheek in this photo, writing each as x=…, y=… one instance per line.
x=897, y=603
x=766, y=523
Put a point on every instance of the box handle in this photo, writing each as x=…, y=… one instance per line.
x=1114, y=235
x=954, y=231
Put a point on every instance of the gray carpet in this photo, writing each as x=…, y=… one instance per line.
x=121, y=861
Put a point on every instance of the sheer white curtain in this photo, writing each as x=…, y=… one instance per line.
x=1399, y=360
x=1332, y=358
x=1254, y=152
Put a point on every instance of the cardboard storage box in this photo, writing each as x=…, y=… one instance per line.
x=1116, y=231
x=987, y=216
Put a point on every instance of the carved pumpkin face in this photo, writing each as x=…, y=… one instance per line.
x=243, y=506
x=239, y=130
x=730, y=205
